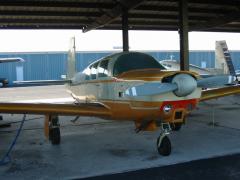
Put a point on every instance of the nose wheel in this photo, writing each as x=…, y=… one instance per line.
x=164, y=145
x=163, y=142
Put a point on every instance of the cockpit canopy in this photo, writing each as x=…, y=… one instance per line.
x=119, y=63
x=133, y=61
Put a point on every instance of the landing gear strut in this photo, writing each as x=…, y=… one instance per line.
x=163, y=142
x=53, y=129
x=176, y=126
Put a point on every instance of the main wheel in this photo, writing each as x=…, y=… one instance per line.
x=55, y=136
x=176, y=126
x=164, y=147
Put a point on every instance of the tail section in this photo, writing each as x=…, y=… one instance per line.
x=223, y=58
x=71, y=63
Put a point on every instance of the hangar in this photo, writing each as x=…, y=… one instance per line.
x=183, y=16
x=176, y=15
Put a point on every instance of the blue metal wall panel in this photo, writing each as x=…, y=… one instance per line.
x=51, y=65
x=236, y=59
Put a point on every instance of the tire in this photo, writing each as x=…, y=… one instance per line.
x=176, y=126
x=50, y=134
x=55, y=136
x=164, y=148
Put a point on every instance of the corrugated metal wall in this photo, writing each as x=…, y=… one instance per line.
x=51, y=65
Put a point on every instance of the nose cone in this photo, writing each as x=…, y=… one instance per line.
x=186, y=84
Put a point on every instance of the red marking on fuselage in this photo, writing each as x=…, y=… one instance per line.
x=181, y=104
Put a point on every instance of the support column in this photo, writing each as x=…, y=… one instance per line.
x=183, y=34
x=125, y=29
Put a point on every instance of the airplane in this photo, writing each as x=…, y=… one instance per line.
x=173, y=65
x=4, y=81
x=223, y=63
x=129, y=86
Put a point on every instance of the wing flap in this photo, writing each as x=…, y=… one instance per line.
x=57, y=109
x=220, y=92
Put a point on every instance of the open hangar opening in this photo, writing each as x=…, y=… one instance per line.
x=51, y=65
x=182, y=16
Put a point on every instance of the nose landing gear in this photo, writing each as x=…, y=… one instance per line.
x=163, y=142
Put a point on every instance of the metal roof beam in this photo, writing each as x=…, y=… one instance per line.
x=47, y=21
x=217, y=2
x=215, y=22
x=211, y=2
x=64, y=4
x=48, y=13
x=111, y=15
x=151, y=8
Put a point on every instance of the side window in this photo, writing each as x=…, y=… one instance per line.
x=93, y=70
x=87, y=74
x=103, y=69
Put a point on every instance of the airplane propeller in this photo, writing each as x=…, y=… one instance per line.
x=215, y=81
x=181, y=85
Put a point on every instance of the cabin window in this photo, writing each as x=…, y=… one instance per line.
x=93, y=70
x=135, y=61
x=87, y=74
x=103, y=69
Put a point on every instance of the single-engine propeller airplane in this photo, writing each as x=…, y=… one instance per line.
x=130, y=86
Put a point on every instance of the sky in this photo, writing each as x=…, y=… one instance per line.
x=104, y=40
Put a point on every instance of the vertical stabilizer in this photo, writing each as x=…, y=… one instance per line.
x=223, y=58
x=71, y=64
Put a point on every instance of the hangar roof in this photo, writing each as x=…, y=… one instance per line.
x=204, y=15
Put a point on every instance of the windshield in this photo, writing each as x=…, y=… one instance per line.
x=134, y=61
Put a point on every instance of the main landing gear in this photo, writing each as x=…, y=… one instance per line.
x=175, y=126
x=163, y=142
x=52, y=129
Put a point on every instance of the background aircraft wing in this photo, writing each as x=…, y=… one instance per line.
x=220, y=92
x=91, y=109
x=40, y=82
x=6, y=60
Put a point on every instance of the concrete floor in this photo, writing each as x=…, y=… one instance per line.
x=93, y=146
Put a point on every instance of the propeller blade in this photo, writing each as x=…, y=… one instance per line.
x=149, y=89
x=215, y=81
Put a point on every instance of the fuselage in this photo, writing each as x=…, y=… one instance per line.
x=107, y=80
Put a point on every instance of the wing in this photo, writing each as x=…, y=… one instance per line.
x=56, y=109
x=220, y=92
x=6, y=60
x=40, y=82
